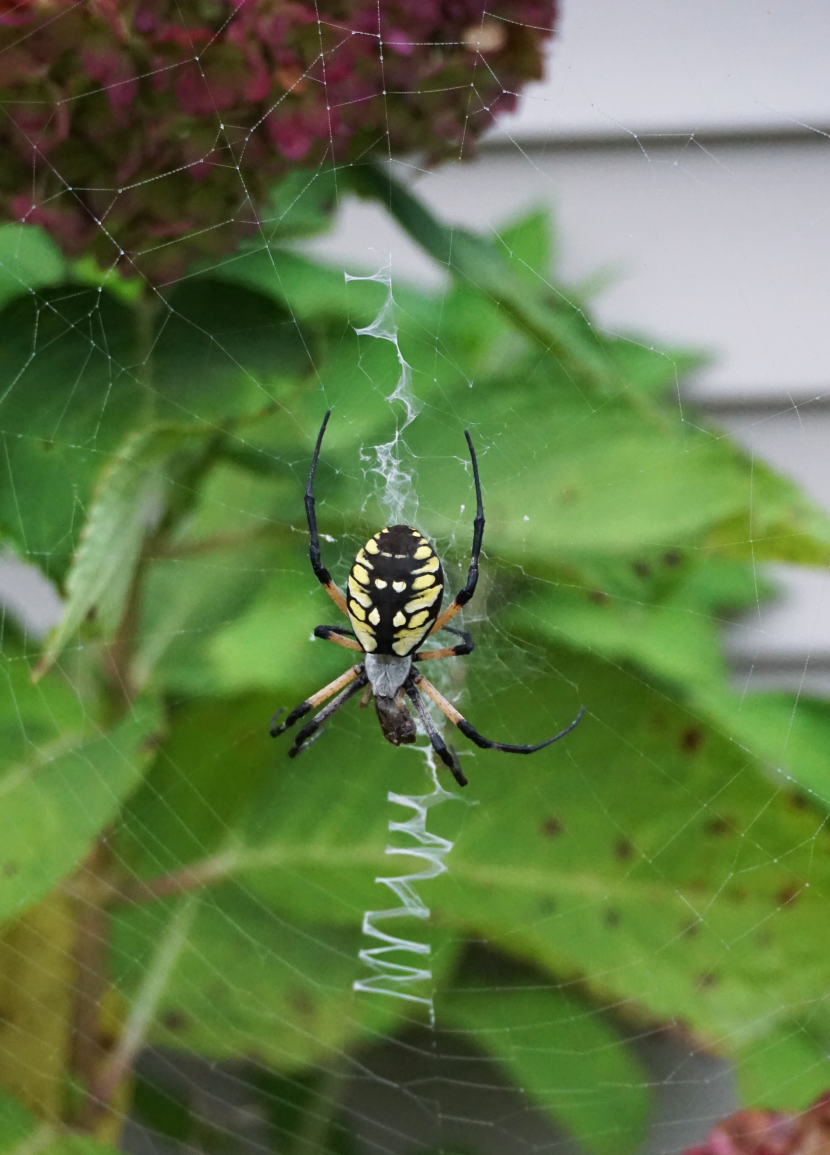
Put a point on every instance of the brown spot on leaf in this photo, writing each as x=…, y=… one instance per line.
x=788, y=894
x=598, y=597
x=642, y=569
x=300, y=1002
x=691, y=740
x=91, y=614
x=174, y=1020
x=552, y=827
x=718, y=827
x=739, y=894
x=799, y=802
x=707, y=981
x=10, y=869
x=624, y=850
x=612, y=918
x=672, y=558
x=690, y=929
x=151, y=742
x=546, y=905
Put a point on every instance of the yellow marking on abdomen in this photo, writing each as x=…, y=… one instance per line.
x=360, y=574
x=381, y=584
x=372, y=546
x=365, y=638
x=399, y=619
x=430, y=567
x=424, y=601
x=359, y=594
x=418, y=619
x=399, y=587
x=423, y=583
x=355, y=609
x=374, y=616
x=423, y=551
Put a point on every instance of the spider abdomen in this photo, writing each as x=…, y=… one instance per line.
x=395, y=590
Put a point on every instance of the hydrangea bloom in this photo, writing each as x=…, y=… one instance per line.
x=132, y=124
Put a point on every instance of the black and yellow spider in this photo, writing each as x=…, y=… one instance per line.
x=395, y=589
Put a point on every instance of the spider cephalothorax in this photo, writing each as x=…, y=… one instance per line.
x=395, y=590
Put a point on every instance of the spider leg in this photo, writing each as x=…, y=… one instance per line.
x=321, y=573
x=444, y=752
x=464, y=595
x=315, y=700
x=327, y=711
x=464, y=726
x=464, y=647
x=339, y=635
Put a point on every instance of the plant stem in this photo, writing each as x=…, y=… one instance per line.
x=144, y=1006
x=91, y=929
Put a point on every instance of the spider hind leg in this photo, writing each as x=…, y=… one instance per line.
x=446, y=753
x=470, y=732
x=301, y=741
x=315, y=700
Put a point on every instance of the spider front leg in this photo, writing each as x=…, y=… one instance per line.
x=464, y=726
x=464, y=595
x=320, y=572
x=315, y=700
x=465, y=646
x=340, y=636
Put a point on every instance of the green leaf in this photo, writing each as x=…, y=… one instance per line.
x=790, y=734
x=266, y=646
x=564, y=1054
x=22, y=1134
x=663, y=614
x=188, y=799
x=668, y=906
x=224, y=350
x=544, y=314
x=62, y=781
x=301, y=204
x=246, y=982
x=127, y=507
x=305, y=292
x=528, y=242
x=68, y=397
x=786, y=1070
x=191, y=602
x=16, y=1124
x=29, y=260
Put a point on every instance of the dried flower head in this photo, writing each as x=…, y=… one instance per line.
x=771, y=1133
x=148, y=132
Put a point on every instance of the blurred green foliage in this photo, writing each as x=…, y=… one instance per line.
x=667, y=866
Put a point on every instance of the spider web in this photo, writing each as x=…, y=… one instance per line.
x=524, y=1021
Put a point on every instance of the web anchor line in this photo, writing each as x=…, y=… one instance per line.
x=391, y=977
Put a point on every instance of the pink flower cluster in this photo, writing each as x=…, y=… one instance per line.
x=771, y=1133
x=149, y=131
